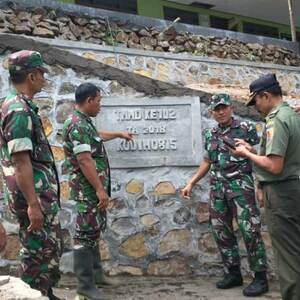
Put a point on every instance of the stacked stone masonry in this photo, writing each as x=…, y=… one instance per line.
x=202, y=74
x=49, y=23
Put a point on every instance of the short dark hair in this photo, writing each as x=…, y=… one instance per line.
x=84, y=91
x=20, y=76
x=274, y=90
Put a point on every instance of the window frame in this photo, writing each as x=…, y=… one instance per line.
x=118, y=5
x=187, y=12
x=255, y=25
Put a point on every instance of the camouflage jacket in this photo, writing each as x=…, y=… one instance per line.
x=80, y=135
x=21, y=130
x=223, y=164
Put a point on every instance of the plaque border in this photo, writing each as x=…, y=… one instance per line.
x=163, y=161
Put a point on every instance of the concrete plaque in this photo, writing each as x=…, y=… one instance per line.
x=167, y=131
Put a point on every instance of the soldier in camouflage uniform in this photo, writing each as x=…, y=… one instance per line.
x=232, y=196
x=32, y=188
x=89, y=179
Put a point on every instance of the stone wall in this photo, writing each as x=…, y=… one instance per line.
x=204, y=74
x=54, y=23
x=151, y=230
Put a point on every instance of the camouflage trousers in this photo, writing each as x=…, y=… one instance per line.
x=90, y=221
x=231, y=199
x=40, y=253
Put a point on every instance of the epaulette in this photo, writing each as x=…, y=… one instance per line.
x=14, y=104
x=273, y=114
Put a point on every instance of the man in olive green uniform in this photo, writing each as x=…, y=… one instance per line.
x=278, y=170
x=89, y=179
x=31, y=181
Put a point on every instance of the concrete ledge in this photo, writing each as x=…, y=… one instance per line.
x=54, y=55
x=158, y=23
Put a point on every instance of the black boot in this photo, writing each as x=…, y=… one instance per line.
x=258, y=286
x=231, y=279
x=101, y=279
x=83, y=268
x=51, y=296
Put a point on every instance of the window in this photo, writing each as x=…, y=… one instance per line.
x=186, y=17
x=202, y=5
x=285, y=36
x=258, y=29
x=220, y=23
x=128, y=6
x=288, y=37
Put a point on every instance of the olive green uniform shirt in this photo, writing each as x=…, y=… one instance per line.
x=281, y=137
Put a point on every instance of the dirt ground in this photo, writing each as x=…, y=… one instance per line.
x=155, y=288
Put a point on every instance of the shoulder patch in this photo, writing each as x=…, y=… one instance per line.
x=270, y=134
x=259, y=127
x=270, y=123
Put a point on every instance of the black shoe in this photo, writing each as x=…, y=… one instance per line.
x=231, y=279
x=258, y=286
x=51, y=296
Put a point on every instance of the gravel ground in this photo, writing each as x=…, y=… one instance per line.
x=156, y=288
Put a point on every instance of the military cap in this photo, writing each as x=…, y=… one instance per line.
x=25, y=60
x=219, y=99
x=261, y=84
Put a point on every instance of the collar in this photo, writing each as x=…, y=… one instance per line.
x=275, y=110
x=234, y=124
x=81, y=114
x=29, y=102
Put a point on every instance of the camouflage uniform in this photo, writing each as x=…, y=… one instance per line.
x=232, y=196
x=80, y=135
x=21, y=130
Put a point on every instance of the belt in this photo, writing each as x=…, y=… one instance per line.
x=264, y=183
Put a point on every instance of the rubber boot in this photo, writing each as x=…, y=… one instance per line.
x=83, y=268
x=100, y=279
x=258, y=286
x=231, y=279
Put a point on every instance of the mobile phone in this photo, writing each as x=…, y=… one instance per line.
x=229, y=143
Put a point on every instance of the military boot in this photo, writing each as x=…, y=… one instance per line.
x=51, y=296
x=231, y=279
x=258, y=286
x=100, y=279
x=83, y=268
